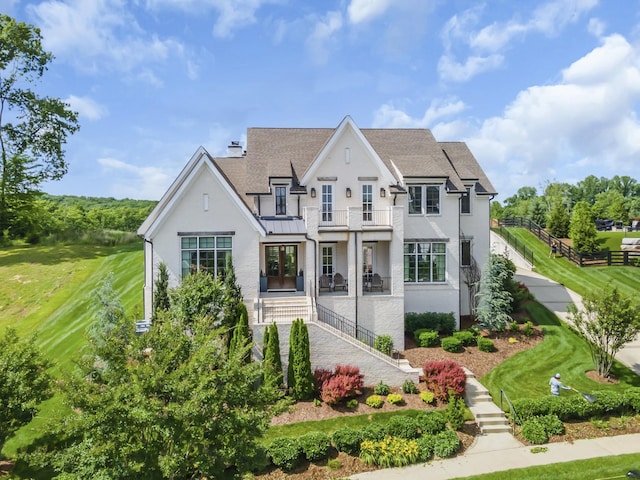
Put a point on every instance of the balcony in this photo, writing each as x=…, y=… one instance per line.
x=354, y=218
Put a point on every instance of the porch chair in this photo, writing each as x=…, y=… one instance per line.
x=338, y=282
x=376, y=282
x=325, y=282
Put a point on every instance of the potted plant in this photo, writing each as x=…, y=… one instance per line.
x=263, y=282
x=300, y=281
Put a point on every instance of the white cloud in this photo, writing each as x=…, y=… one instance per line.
x=388, y=116
x=486, y=46
x=87, y=107
x=232, y=14
x=99, y=35
x=450, y=69
x=584, y=124
x=365, y=10
x=322, y=36
x=596, y=27
x=136, y=182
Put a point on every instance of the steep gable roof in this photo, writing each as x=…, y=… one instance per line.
x=173, y=194
x=405, y=153
x=467, y=166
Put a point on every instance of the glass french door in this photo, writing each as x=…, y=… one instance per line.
x=281, y=266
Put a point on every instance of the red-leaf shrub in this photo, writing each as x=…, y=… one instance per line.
x=442, y=376
x=344, y=382
x=320, y=376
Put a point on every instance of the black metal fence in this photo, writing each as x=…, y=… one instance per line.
x=518, y=245
x=348, y=328
x=594, y=259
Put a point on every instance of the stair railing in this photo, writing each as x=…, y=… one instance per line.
x=503, y=394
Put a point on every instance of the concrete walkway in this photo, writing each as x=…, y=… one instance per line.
x=499, y=451
x=507, y=456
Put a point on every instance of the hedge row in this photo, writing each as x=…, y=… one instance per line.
x=382, y=444
x=577, y=408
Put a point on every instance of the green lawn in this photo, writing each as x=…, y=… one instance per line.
x=580, y=279
x=526, y=375
x=591, y=469
x=49, y=291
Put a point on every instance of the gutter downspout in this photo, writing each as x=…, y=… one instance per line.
x=356, y=286
x=145, y=262
x=315, y=261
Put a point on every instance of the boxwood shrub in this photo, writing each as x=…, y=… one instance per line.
x=285, y=452
x=426, y=338
x=486, y=345
x=451, y=344
x=315, y=446
x=431, y=422
x=403, y=426
x=438, y=321
x=374, y=432
x=467, y=337
x=347, y=440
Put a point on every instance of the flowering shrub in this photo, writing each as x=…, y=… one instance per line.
x=344, y=382
x=375, y=401
x=443, y=376
x=390, y=452
x=395, y=399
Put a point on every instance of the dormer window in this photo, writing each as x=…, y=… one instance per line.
x=281, y=200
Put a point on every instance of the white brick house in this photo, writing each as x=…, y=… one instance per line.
x=394, y=212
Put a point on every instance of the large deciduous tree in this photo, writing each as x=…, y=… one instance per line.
x=24, y=383
x=33, y=128
x=172, y=403
x=608, y=321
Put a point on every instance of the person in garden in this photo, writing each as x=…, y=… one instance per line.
x=556, y=385
x=554, y=249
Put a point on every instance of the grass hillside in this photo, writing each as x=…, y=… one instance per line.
x=49, y=291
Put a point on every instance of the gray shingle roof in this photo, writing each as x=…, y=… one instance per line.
x=288, y=152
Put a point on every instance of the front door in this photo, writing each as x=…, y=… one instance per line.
x=281, y=266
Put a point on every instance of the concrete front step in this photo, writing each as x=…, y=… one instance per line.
x=487, y=429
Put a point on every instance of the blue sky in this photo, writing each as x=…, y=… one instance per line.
x=540, y=90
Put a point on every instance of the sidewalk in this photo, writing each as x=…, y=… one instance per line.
x=509, y=458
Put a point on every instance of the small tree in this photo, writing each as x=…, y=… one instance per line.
x=607, y=323
x=241, y=336
x=110, y=313
x=24, y=383
x=582, y=228
x=300, y=377
x=495, y=301
x=559, y=220
x=232, y=295
x=199, y=295
x=273, y=375
x=161, y=293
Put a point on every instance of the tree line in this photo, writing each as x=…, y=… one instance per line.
x=570, y=211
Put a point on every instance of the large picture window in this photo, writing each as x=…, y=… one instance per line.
x=208, y=254
x=425, y=262
x=424, y=199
